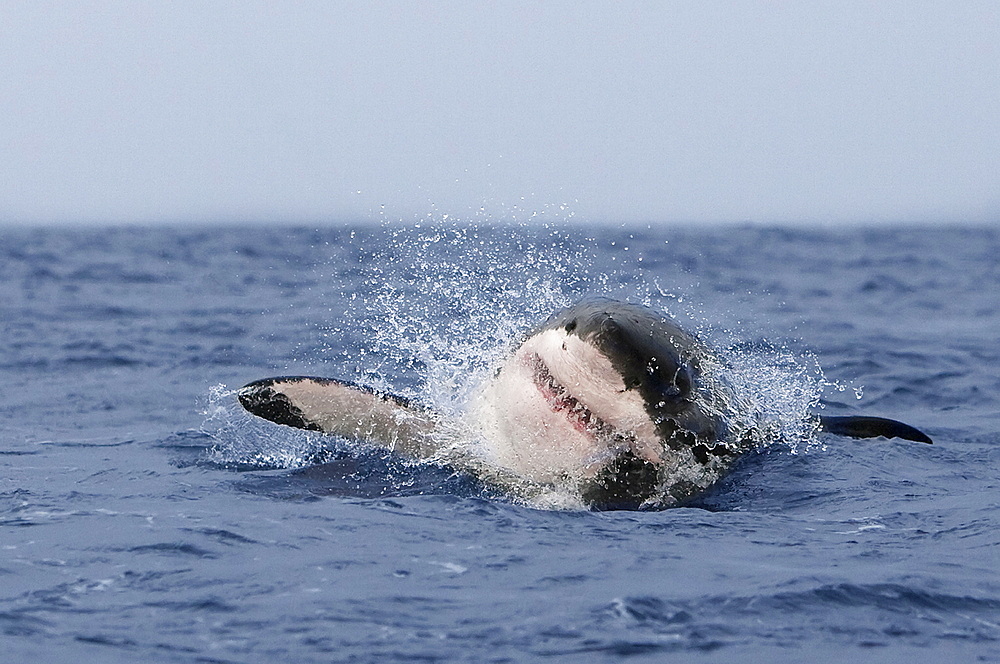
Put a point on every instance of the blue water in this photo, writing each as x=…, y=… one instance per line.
x=145, y=517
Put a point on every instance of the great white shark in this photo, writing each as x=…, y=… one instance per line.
x=612, y=400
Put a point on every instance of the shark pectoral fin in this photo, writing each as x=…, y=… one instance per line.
x=342, y=409
x=871, y=427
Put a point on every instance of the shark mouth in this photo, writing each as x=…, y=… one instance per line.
x=622, y=479
x=561, y=401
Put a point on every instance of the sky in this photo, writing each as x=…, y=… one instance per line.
x=840, y=112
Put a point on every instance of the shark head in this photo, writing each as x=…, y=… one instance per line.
x=608, y=396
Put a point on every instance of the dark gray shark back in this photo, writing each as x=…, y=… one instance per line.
x=862, y=426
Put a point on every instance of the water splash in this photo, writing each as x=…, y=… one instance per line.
x=445, y=303
x=436, y=306
x=775, y=391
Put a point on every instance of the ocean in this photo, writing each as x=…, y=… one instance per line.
x=145, y=517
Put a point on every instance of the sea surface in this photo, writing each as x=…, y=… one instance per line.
x=144, y=517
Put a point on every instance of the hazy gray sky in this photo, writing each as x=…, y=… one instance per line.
x=623, y=111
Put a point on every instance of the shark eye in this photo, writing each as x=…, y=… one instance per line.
x=570, y=326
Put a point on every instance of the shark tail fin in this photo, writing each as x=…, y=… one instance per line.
x=343, y=409
x=871, y=427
